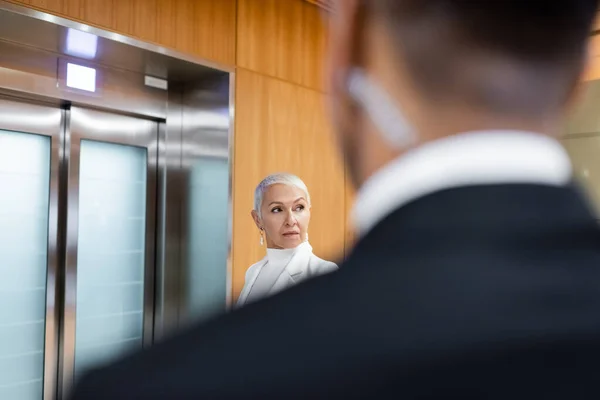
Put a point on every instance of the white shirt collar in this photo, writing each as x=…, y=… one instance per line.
x=474, y=158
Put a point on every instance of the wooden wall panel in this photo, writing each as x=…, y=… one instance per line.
x=123, y=17
x=283, y=39
x=185, y=38
x=167, y=32
x=282, y=127
x=204, y=28
x=144, y=20
x=68, y=8
x=596, y=26
x=97, y=12
x=51, y=6
x=215, y=25
x=593, y=67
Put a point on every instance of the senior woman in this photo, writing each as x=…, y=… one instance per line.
x=282, y=214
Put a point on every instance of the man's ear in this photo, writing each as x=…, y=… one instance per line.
x=256, y=219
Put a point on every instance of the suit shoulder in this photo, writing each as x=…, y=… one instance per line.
x=252, y=269
x=93, y=385
x=323, y=266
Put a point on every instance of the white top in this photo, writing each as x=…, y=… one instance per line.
x=281, y=269
x=474, y=158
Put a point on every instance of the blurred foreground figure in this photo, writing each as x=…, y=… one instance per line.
x=477, y=272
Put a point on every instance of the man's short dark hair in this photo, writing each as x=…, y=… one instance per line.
x=511, y=55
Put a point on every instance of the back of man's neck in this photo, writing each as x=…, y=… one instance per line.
x=377, y=153
x=490, y=157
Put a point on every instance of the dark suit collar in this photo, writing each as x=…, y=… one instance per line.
x=484, y=212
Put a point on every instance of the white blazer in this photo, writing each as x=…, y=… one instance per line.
x=303, y=265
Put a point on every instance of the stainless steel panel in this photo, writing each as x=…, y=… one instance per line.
x=231, y=161
x=199, y=126
x=63, y=281
x=16, y=115
x=55, y=268
x=169, y=218
x=43, y=74
x=47, y=121
x=110, y=128
x=206, y=135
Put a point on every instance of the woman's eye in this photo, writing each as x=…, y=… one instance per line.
x=300, y=208
x=276, y=210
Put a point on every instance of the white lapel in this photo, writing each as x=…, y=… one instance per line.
x=254, y=271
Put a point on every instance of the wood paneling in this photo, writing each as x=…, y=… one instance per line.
x=123, y=17
x=97, y=13
x=144, y=20
x=596, y=26
x=69, y=8
x=592, y=71
x=282, y=127
x=184, y=17
x=283, y=39
x=204, y=28
x=593, y=67
x=215, y=29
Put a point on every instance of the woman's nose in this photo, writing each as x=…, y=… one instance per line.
x=290, y=220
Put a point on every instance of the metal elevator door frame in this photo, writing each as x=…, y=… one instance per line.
x=66, y=127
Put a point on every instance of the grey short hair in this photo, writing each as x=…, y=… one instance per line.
x=274, y=179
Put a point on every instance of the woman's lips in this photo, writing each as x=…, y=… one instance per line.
x=291, y=234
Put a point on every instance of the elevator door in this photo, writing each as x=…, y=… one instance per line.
x=77, y=241
x=110, y=238
x=30, y=142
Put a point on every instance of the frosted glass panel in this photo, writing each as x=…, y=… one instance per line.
x=110, y=254
x=208, y=237
x=25, y=188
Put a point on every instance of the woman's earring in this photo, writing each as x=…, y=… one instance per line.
x=262, y=240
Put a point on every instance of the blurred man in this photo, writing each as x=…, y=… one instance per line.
x=477, y=272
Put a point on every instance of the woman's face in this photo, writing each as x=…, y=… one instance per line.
x=285, y=216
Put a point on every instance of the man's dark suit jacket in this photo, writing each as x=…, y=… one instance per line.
x=478, y=292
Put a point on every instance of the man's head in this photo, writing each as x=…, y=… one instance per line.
x=440, y=67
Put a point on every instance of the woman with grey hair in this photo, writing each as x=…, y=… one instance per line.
x=282, y=214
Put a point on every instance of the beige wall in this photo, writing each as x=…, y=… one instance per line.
x=582, y=133
x=277, y=47
x=582, y=141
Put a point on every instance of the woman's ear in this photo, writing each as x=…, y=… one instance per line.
x=256, y=219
